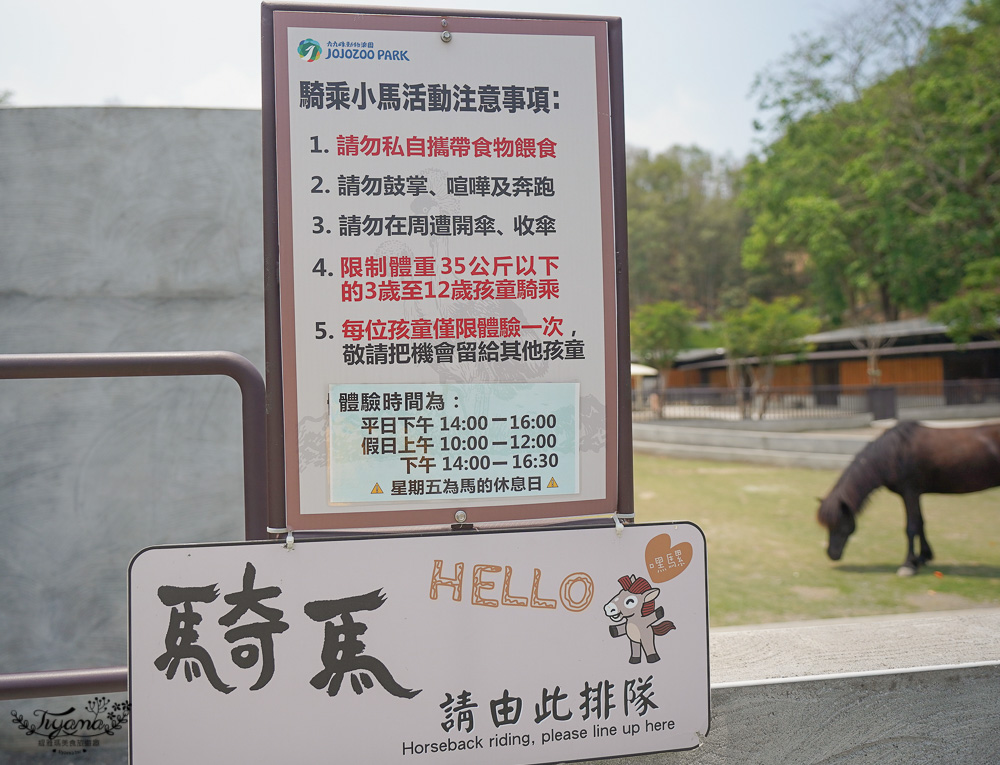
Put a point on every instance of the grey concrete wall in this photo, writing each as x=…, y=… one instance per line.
x=120, y=230
x=823, y=449
x=892, y=690
x=941, y=716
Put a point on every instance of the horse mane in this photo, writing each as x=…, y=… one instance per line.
x=878, y=463
x=637, y=585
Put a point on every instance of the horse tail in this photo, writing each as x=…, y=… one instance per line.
x=663, y=628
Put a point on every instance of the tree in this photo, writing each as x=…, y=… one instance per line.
x=659, y=332
x=757, y=338
x=975, y=310
x=883, y=184
x=872, y=339
x=685, y=227
x=854, y=52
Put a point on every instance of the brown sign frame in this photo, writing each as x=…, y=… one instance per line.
x=283, y=465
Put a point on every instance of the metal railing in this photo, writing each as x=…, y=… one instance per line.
x=949, y=393
x=811, y=402
x=256, y=507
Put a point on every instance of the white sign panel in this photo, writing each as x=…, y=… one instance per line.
x=522, y=647
x=445, y=220
x=505, y=440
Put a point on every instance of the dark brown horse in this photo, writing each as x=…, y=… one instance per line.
x=910, y=460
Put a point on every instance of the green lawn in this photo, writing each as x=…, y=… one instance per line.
x=766, y=553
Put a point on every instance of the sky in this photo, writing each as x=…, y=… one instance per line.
x=688, y=64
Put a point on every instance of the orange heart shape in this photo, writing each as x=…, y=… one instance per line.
x=664, y=562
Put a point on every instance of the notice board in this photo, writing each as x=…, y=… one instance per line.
x=489, y=647
x=445, y=263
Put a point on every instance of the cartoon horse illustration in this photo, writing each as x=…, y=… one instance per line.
x=634, y=613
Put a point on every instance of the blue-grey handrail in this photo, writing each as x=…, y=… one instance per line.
x=63, y=682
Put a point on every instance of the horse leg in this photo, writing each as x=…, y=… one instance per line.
x=914, y=530
x=649, y=645
x=650, y=648
x=926, y=553
x=636, y=656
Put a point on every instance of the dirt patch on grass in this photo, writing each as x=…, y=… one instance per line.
x=768, y=489
x=729, y=470
x=816, y=593
x=939, y=601
x=679, y=468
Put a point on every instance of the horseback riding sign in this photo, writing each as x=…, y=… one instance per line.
x=520, y=646
x=445, y=266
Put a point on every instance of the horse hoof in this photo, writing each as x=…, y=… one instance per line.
x=651, y=657
x=906, y=571
x=634, y=660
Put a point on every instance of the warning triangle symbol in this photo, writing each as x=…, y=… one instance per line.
x=377, y=489
x=552, y=484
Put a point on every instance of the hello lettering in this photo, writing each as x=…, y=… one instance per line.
x=576, y=590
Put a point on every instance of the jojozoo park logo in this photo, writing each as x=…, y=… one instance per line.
x=310, y=49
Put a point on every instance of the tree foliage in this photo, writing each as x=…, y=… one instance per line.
x=877, y=194
x=856, y=51
x=660, y=331
x=767, y=330
x=756, y=337
x=975, y=310
x=883, y=186
x=684, y=227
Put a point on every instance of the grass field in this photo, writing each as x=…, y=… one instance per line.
x=767, y=554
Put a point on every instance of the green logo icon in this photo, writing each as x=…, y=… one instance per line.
x=310, y=49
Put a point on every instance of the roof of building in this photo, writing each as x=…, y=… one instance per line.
x=886, y=330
